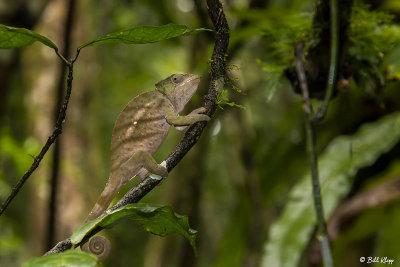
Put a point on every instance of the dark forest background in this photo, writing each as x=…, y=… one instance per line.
x=245, y=185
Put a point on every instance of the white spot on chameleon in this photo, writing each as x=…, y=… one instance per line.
x=129, y=132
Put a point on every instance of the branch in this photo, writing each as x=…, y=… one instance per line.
x=192, y=135
x=332, y=61
x=310, y=121
x=57, y=146
x=326, y=251
x=52, y=138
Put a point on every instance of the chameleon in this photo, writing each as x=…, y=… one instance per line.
x=141, y=128
x=139, y=131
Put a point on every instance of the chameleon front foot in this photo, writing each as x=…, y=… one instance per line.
x=156, y=176
x=198, y=111
x=98, y=246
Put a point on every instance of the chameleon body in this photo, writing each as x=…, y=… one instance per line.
x=141, y=128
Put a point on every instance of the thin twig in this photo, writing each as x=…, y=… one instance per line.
x=76, y=56
x=332, y=61
x=51, y=139
x=62, y=57
x=310, y=133
x=57, y=145
x=192, y=135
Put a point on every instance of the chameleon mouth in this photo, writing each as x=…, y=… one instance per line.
x=193, y=78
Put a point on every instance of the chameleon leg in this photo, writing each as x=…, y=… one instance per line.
x=173, y=119
x=142, y=160
x=149, y=165
x=198, y=110
x=194, y=112
x=121, y=175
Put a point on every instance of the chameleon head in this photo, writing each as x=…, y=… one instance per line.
x=179, y=88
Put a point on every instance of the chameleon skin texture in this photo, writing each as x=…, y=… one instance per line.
x=141, y=126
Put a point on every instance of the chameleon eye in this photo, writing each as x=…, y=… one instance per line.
x=177, y=79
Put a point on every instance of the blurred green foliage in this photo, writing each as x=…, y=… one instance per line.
x=372, y=35
x=241, y=177
x=337, y=167
x=280, y=29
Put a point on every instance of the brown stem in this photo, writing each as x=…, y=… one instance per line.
x=56, y=153
x=51, y=139
x=310, y=134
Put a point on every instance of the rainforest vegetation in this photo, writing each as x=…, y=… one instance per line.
x=299, y=164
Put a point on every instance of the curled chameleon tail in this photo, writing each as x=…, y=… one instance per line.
x=98, y=246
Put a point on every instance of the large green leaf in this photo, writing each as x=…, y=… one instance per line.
x=143, y=35
x=156, y=219
x=68, y=258
x=338, y=165
x=11, y=37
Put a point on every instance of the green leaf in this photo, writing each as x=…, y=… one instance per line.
x=222, y=99
x=11, y=37
x=338, y=165
x=68, y=258
x=156, y=219
x=144, y=35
